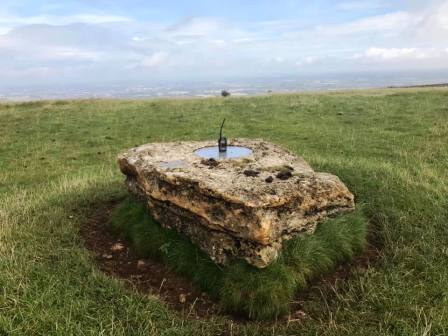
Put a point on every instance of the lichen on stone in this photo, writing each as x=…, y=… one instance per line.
x=233, y=208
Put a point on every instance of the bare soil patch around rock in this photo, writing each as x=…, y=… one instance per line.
x=116, y=258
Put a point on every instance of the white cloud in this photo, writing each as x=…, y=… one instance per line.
x=308, y=60
x=433, y=24
x=404, y=58
x=137, y=38
x=60, y=20
x=386, y=54
x=8, y=22
x=155, y=60
x=76, y=54
x=386, y=23
x=89, y=46
x=362, y=5
x=196, y=26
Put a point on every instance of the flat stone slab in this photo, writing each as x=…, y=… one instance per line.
x=243, y=207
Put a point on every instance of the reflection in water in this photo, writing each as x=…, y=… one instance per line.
x=232, y=152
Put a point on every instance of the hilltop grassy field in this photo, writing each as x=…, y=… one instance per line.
x=58, y=164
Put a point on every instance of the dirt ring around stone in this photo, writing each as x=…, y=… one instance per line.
x=117, y=259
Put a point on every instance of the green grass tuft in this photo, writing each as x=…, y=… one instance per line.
x=131, y=221
x=241, y=288
x=257, y=294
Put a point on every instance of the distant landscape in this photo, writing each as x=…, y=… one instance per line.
x=237, y=87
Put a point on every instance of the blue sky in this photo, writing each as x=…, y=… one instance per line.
x=108, y=41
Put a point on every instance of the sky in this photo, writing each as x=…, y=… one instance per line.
x=112, y=41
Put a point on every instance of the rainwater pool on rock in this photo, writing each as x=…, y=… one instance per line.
x=233, y=152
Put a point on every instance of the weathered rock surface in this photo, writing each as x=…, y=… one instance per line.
x=244, y=207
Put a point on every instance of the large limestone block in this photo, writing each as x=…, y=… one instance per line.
x=244, y=207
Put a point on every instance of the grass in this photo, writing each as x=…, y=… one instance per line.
x=257, y=294
x=57, y=164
